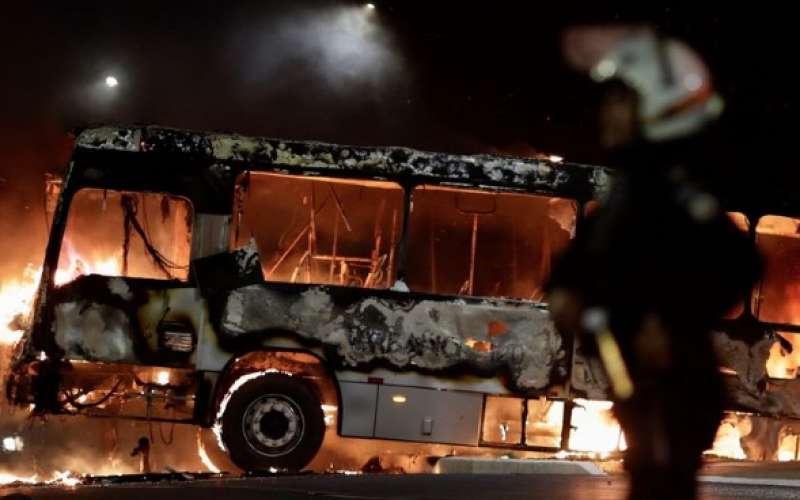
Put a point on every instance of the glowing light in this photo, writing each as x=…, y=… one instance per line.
x=399, y=399
x=727, y=442
x=604, y=70
x=16, y=299
x=162, y=377
x=10, y=443
x=693, y=82
x=111, y=81
x=11, y=478
x=201, y=451
x=556, y=158
x=329, y=411
x=596, y=429
x=370, y=6
x=787, y=450
x=71, y=265
x=66, y=478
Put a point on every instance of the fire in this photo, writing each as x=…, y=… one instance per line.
x=11, y=478
x=17, y=294
x=16, y=298
x=596, y=429
x=781, y=363
x=162, y=377
x=788, y=450
x=72, y=265
x=727, y=443
x=203, y=454
x=64, y=478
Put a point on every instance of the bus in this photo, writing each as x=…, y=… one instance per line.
x=257, y=286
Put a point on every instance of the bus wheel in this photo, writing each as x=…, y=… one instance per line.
x=273, y=422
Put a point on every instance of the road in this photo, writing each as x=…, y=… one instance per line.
x=387, y=487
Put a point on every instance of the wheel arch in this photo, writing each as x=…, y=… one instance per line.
x=303, y=363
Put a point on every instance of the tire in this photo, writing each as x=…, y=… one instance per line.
x=219, y=458
x=273, y=422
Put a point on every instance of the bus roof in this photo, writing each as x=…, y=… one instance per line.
x=393, y=163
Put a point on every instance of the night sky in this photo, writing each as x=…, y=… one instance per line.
x=450, y=76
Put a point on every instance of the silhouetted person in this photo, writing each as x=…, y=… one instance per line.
x=659, y=262
x=143, y=450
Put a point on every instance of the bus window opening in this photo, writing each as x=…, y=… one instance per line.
x=741, y=221
x=321, y=230
x=479, y=243
x=113, y=233
x=778, y=297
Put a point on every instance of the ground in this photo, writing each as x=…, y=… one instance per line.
x=720, y=480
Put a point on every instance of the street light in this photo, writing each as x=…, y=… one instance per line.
x=370, y=6
x=111, y=81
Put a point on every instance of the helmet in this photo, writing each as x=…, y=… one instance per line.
x=676, y=96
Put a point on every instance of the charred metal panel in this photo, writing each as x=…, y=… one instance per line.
x=748, y=385
x=414, y=414
x=209, y=235
x=588, y=378
x=126, y=320
x=112, y=138
x=476, y=170
x=358, y=407
x=439, y=380
x=485, y=336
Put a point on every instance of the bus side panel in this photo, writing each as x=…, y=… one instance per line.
x=407, y=332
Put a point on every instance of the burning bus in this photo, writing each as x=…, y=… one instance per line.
x=253, y=285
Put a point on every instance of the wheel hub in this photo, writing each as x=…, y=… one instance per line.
x=273, y=425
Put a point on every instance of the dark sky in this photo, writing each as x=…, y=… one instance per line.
x=444, y=75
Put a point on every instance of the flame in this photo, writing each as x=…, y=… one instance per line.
x=162, y=377
x=64, y=478
x=12, y=478
x=781, y=363
x=789, y=447
x=727, y=443
x=71, y=265
x=596, y=429
x=17, y=294
x=16, y=299
x=596, y=433
x=203, y=454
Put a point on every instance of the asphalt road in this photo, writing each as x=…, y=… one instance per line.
x=395, y=487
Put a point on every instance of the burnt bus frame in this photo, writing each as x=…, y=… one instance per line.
x=179, y=163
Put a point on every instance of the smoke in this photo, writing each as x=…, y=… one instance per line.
x=340, y=49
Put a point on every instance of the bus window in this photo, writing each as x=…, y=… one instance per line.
x=321, y=230
x=590, y=207
x=502, y=420
x=778, y=297
x=740, y=221
x=543, y=426
x=784, y=357
x=471, y=242
x=114, y=233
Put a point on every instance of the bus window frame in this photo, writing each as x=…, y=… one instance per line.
x=69, y=199
x=240, y=195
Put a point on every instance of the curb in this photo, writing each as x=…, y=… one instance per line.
x=786, y=483
x=474, y=465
